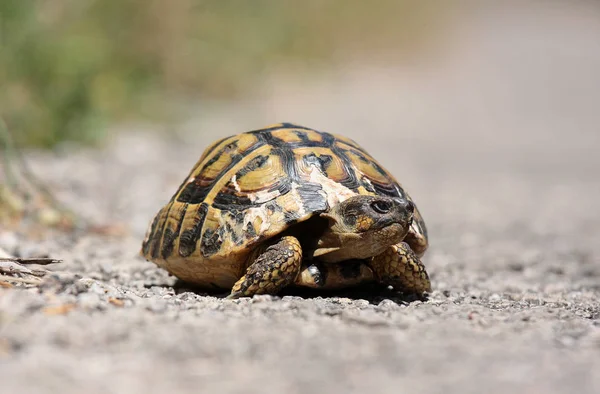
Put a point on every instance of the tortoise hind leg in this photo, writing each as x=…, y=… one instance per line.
x=400, y=267
x=345, y=274
x=275, y=268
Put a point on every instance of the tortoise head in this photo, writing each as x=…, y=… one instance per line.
x=364, y=226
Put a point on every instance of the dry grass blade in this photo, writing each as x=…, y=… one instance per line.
x=33, y=260
x=23, y=194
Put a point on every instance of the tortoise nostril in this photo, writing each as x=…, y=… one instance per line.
x=410, y=207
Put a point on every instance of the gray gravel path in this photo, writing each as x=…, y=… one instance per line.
x=497, y=145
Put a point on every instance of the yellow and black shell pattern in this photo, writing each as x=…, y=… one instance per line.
x=250, y=187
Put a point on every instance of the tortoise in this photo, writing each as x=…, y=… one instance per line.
x=288, y=205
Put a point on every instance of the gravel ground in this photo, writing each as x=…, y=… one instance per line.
x=506, y=177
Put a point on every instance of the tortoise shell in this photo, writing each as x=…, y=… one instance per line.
x=247, y=188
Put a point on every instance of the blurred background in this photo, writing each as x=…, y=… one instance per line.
x=73, y=69
x=69, y=69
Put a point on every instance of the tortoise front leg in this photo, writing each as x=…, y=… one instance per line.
x=275, y=268
x=400, y=267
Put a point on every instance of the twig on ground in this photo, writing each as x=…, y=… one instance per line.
x=13, y=269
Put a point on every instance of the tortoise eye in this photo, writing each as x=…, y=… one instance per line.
x=381, y=206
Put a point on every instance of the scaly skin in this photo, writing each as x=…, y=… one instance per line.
x=275, y=268
x=400, y=267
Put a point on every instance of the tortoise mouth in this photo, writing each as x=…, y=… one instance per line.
x=403, y=219
x=392, y=234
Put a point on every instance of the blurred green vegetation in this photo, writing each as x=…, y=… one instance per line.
x=70, y=67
